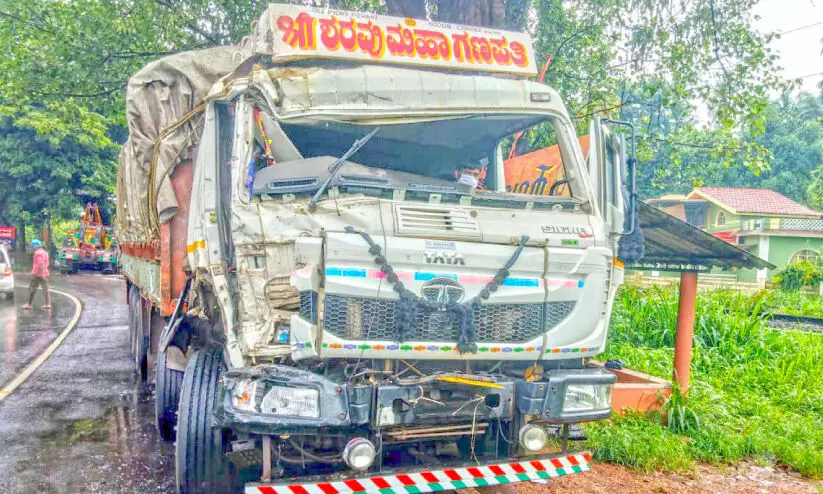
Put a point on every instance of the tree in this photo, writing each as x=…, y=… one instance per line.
x=70, y=60
x=45, y=166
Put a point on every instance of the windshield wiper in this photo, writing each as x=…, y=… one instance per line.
x=334, y=167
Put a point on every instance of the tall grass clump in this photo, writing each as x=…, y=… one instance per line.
x=755, y=393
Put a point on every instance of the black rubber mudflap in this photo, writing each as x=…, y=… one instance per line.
x=166, y=397
x=199, y=451
x=139, y=340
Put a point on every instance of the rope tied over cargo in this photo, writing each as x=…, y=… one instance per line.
x=410, y=304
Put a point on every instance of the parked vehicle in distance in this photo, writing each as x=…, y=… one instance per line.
x=332, y=278
x=91, y=246
x=6, y=274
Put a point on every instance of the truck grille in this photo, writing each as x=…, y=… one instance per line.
x=354, y=318
x=431, y=221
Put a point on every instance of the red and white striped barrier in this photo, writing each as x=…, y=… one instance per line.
x=438, y=480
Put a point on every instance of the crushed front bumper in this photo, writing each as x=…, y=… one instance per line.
x=463, y=477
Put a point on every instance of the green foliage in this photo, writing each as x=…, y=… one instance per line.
x=755, y=393
x=49, y=164
x=793, y=303
x=680, y=418
x=784, y=156
x=798, y=275
x=65, y=65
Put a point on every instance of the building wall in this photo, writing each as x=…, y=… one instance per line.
x=732, y=221
x=781, y=249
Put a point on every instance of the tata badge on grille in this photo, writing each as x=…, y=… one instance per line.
x=443, y=291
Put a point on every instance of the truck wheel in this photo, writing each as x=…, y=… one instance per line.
x=199, y=450
x=166, y=397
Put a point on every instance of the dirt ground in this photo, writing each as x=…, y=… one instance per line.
x=745, y=478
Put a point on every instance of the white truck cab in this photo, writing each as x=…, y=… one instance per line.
x=382, y=299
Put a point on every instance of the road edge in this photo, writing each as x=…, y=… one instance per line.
x=53, y=346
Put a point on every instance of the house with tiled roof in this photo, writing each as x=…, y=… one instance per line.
x=762, y=221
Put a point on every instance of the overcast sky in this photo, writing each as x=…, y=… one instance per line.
x=801, y=22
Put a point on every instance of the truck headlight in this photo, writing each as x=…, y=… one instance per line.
x=359, y=454
x=587, y=397
x=244, y=395
x=533, y=438
x=292, y=402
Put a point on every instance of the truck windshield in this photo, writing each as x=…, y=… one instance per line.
x=456, y=153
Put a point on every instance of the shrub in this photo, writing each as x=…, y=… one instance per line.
x=795, y=276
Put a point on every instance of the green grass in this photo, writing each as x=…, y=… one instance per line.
x=755, y=393
x=794, y=303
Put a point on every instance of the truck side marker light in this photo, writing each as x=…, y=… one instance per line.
x=439, y=480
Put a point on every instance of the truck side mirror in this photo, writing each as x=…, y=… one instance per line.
x=631, y=245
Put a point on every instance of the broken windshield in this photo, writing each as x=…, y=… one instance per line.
x=466, y=154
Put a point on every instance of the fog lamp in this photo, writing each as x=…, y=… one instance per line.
x=533, y=438
x=359, y=453
x=587, y=397
x=292, y=402
x=244, y=394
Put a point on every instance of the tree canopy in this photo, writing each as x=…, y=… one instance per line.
x=656, y=62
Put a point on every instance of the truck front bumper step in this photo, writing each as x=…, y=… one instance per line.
x=438, y=480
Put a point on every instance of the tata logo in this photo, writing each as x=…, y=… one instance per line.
x=443, y=291
x=582, y=231
x=444, y=257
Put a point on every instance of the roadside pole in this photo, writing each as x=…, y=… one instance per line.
x=684, y=335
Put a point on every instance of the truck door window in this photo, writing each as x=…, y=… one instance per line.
x=534, y=163
x=225, y=142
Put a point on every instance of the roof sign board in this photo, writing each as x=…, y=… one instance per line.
x=8, y=232
x=317, y=32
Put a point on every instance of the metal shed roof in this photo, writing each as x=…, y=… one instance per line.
x=676, y=245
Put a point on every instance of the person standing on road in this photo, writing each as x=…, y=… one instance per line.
x=39, y=274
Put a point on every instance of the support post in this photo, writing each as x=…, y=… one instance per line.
x=684, y=336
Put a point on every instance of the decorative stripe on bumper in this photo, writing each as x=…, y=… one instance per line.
x=439, y=480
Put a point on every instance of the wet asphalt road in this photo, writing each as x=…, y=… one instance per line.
x=81, y=423
x=24, y=334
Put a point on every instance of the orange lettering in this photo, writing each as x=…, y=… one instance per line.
x=298, y=32
x=348, y=34
x=462, y=49
x=481, y=49
x=330, y=33
x=500, y=52
x=372, y=41
x=432, y=44
x=519, y=55
x=403, y=44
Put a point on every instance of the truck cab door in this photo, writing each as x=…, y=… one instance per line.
x=607, y=169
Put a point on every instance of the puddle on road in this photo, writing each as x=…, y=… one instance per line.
x=26, y=333
x=119, y=451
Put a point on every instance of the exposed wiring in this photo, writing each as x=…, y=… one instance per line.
x=464, y=405
x=413, y=368
x=474, y=431
x=311, y=456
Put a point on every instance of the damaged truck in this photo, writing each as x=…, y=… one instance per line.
x=333, y=282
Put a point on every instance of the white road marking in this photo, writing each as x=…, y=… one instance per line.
x=29, y=370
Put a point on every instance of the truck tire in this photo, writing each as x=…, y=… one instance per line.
x=199, y=451
x=166, y=397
